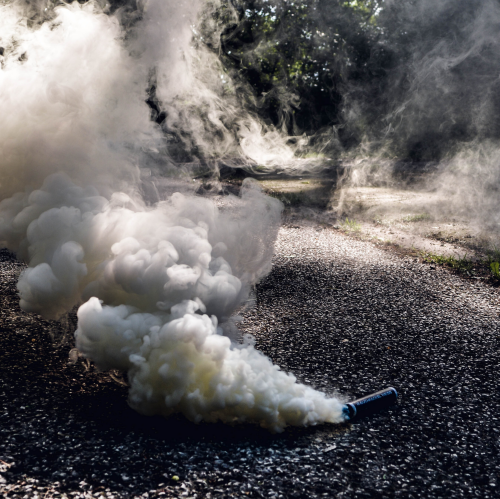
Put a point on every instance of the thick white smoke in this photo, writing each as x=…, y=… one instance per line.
x=155, y=280
x=71, y=99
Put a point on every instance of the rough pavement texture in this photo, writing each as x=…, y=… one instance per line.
x=341, y=314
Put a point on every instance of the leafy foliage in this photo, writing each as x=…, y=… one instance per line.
x=461, y=265
x=303, y=58
x=415, y=78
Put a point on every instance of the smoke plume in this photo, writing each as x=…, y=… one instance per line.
x=154, y=275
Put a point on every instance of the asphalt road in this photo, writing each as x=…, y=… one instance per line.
x=344, y=316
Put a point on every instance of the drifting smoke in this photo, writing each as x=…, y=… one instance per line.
x=207, y=114
x=433, y=113
x=443, y=87
x=392, y=90
x=80, y=159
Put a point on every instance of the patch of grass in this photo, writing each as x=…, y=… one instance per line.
x=351, y=225
x=417, y=218
x=460, y=265
x=494, y=255
x=495, y=269
x=493, y=262
x=489, y=267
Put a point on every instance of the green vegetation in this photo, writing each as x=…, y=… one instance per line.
x=298, y=56
x=461, y=265
x=493, y=262
x=489, y=267
x=417, y=218
x=351, y=225
x=495, y=269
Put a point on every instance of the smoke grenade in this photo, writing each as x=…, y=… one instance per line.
x=371, y=404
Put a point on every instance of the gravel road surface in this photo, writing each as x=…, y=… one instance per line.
x=344, y=316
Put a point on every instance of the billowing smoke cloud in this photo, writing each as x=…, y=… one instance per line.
x=156, y=277
x=71, y=100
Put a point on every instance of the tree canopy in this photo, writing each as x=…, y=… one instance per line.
x=419, y=76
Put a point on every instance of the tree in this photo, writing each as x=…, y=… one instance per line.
x=303, y=60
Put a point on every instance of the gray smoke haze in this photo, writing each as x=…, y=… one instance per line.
x=411, y=86
x=206, y=113
x=155, y=277
x=435, y=108
x=443, y=83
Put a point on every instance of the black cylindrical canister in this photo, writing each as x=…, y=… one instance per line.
x=371, y=403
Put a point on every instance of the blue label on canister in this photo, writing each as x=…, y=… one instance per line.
x=372, y=403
